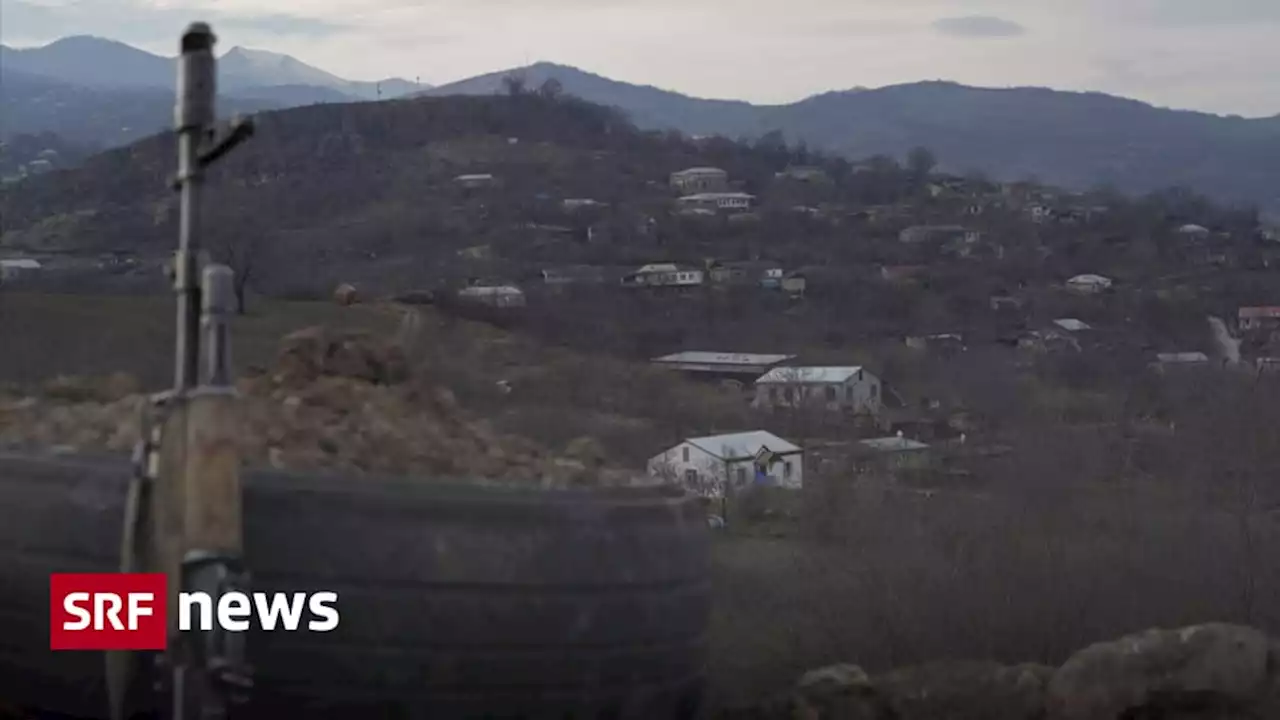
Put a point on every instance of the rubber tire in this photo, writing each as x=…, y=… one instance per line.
x=457, y=601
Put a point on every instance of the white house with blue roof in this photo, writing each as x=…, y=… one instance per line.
x=707, y=465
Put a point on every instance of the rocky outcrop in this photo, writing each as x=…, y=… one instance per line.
x=312, y=353
x=1205, y=672
x=334, y=401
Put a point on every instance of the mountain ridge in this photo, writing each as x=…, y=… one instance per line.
x=102, y=63
x=1070, y=138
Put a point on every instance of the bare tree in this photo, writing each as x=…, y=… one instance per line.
x=551, y=89
x=245, y=252
x=920, y=162
x=515, y=83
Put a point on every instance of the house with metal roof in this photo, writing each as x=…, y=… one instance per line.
x=700, y=179
x=1072, y=324
x=718, y=201
x=1258, y=318
x=721, y=364
x=850, y=388
x=13, y=268
x=1089, y=283
x=709, y=465
x=665, y=275
x=1180, y=361
x=893, y=453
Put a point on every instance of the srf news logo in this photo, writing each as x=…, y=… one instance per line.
x=127, y=611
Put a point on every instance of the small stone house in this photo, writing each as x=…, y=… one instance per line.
x=700, y=180
x=476, y=180
x=850, y=388
x=664, y=275
x=891, y=454
x=715, y=465
x=1089, y=284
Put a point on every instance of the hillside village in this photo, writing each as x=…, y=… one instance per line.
x=932, y=415
x=832, y=297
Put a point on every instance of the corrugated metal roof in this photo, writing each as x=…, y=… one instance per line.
x=698, y=170
x=1089, y=279
x=893, y=444
x=1182, y=357
x=719, y=358
x=21, y=264
x=736, y=446
x=1259, y=312
x=810, y=374
x=1071, y=324
x=716, y=196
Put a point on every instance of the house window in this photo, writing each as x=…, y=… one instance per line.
x=875, y=392
x=848, y=392
x=684, y=454
x=773, y=394
x=786, y=469
x=742, y=476
x=691, y=478
x=831, y=392
x=791, y=394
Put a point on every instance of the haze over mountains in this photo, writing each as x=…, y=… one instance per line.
x=80, y=86
x=101, y=63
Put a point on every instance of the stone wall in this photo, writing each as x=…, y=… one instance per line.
x=1203, y=672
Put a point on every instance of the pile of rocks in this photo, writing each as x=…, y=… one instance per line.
x=334, y=401
x=1204, y=672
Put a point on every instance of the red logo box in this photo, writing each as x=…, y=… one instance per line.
x=108, y=611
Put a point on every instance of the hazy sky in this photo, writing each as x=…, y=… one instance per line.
x=1215, y=55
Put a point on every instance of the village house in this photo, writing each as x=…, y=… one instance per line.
x=716, y=465
x=14, y=268
x=493, y=294
x=721, y=365
x=664, y=275
x=1048, y=341
x=1250, y=319
x=945, y=342
x=892, y=454
x=573, y=275
x=1072, y=324
x=1267, y=364
x=772, y=278
x=1006, y=302
x=1089, y=284
x=743, y=272
x=731, y=201
x=1193, y=231
x=700, y=180
x=850, y=388
x=794, y=283
x=903, y=273
x=1166, y=362
x=970, y=246
x=803, y=173
x=937, y=234
x=476, y=180
x=572, y=204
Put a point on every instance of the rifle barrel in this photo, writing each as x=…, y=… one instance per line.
x=193, y=116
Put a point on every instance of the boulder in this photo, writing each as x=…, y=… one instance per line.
x=966, y=690
x=1215, y=667
x=346, y=294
